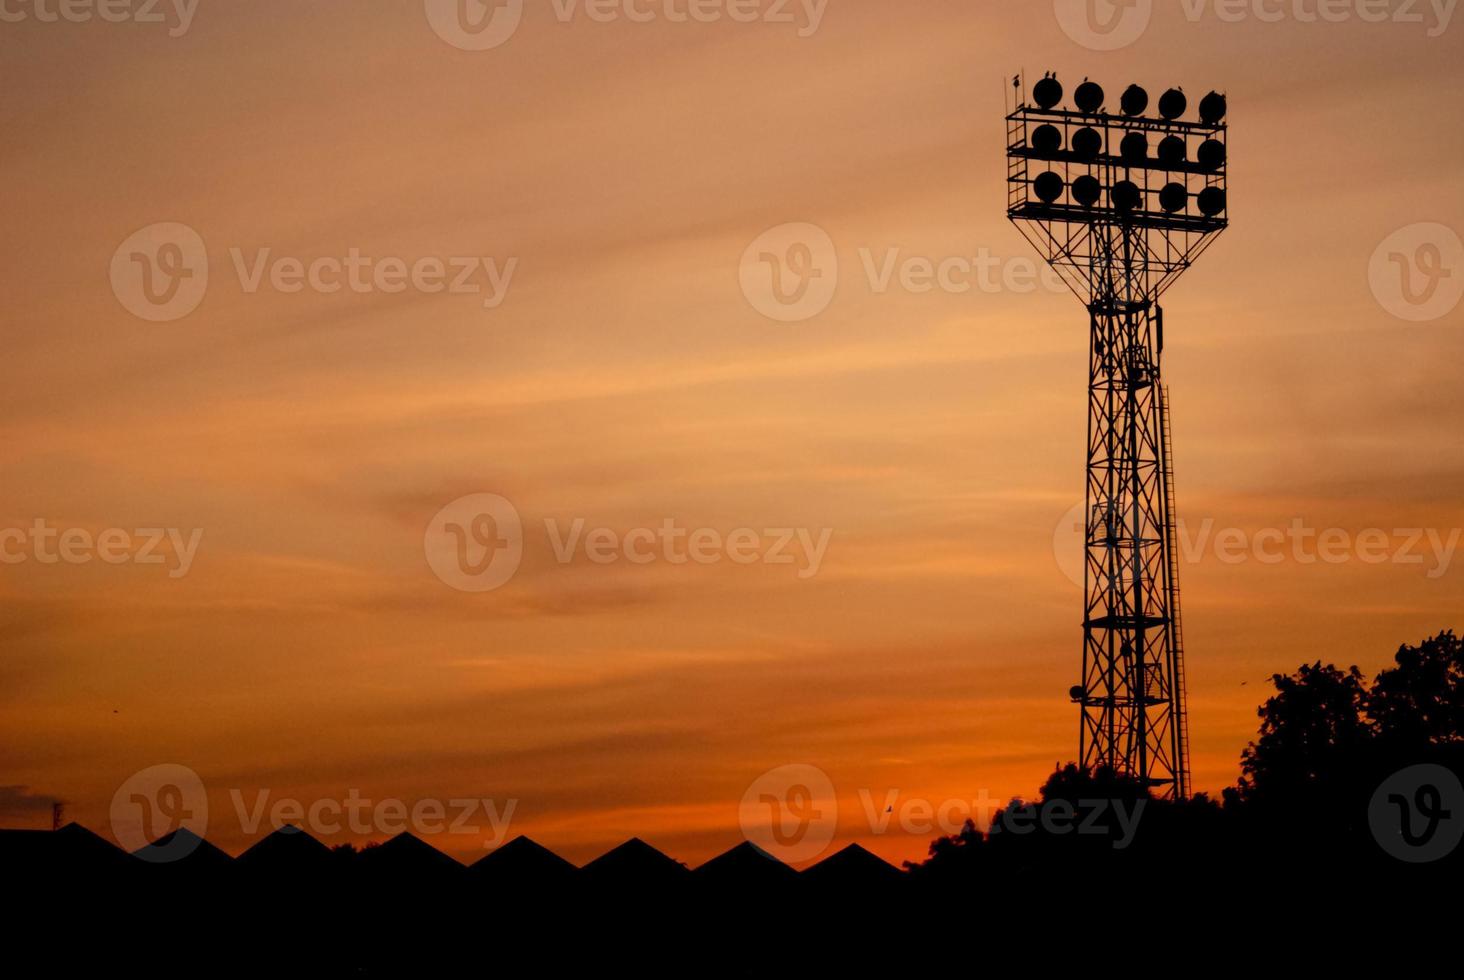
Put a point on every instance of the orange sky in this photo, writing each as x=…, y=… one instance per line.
x=625, y=380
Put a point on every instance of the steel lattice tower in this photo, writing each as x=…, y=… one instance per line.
x=1121, y=205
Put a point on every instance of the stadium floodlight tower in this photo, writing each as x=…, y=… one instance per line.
x=1121, y=204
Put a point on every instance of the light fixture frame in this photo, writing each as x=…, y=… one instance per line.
x=1060, y=231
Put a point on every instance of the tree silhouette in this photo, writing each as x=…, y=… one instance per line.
x=1312, y=733
x=1420, y=702
x=1073, y=783
x=1327, y=740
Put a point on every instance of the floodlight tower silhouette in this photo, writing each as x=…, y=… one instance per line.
x=1120, y=205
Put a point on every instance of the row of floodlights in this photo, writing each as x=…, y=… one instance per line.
x=1087, y=144
x=1125, y=195
x=1089, y=100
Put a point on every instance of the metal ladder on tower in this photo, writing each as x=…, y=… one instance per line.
x=1176, y=619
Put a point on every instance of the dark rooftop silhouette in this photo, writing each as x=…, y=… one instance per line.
x=635, y=864
x=288, y=850
x=183, y=848
x=745, y=866
x=71, y=851
x=522, y=862
x=406, y=854
x=853, y=866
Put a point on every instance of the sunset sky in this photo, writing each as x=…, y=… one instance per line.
x=614, y=174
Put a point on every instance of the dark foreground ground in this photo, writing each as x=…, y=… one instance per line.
x=82, y=908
